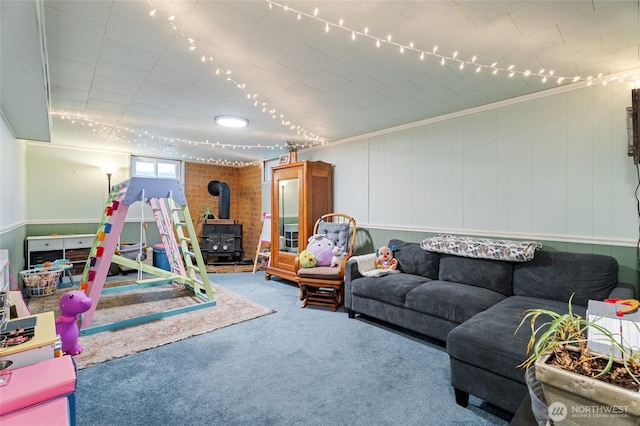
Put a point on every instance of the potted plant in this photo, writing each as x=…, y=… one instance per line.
x=581, y=386
x=207, y=213
x=293, y=152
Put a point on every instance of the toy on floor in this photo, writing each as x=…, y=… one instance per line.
x=385, y=259
x=72, y=304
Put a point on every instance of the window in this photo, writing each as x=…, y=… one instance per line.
x=266, y=168
x=155, y=168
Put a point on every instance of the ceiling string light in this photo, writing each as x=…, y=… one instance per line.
x=140, y=139
x=310, y=137
x=544, y=75
x=137, y=137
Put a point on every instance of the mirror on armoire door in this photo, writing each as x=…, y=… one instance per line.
x=288, y=216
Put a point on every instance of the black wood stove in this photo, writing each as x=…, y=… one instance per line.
x=222, y=240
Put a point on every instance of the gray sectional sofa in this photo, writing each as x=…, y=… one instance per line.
x=475, y=306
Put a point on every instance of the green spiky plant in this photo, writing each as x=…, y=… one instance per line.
x=207, y=213
x=564, y=333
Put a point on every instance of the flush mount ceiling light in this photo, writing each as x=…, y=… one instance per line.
x=231, y=121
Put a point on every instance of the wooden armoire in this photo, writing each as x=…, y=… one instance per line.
x=300, y=194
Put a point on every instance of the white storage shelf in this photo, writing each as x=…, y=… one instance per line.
x=291, y=238
x=41, y=249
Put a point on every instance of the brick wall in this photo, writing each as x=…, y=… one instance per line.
x=246, y=198
x=250, y=207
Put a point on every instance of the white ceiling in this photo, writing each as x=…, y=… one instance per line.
x=137, y=87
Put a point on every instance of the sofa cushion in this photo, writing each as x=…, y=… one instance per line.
x=490, y=274
x=413, y=260
x=452, y=301
x=391, y=288
x=488, y=340
x=483, y=248
x=557, y=275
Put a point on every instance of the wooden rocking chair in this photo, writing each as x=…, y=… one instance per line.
x=324, y=285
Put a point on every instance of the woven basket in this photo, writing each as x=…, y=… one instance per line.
x=41, y=282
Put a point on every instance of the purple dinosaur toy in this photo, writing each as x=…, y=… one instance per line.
x=72, y=304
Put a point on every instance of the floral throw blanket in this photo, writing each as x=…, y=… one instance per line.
x=510, y=251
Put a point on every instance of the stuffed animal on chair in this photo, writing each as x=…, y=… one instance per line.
x=72, y=304
x=338, y=254
x=307, y=259
x=385, y=259
x=321, y=246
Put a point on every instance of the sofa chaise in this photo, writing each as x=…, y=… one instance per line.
x=476, y=304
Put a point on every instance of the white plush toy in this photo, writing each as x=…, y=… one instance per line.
x=338, y=254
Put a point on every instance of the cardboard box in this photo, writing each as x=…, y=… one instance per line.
x=625, y=328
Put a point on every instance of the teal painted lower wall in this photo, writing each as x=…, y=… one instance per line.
x=130, y=232
x=368, y=240
x=14, y=242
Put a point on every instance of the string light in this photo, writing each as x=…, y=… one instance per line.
x=311, y=138
x=138, y=138
x=511, y=71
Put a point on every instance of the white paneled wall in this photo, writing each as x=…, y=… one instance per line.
x=553, y=167
x=350, y=182
x=68, y=185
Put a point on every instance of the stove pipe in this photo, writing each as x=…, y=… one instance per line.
x=221, y=189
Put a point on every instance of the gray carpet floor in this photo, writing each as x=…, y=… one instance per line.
x=298, y=366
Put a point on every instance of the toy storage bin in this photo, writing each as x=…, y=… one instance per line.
x=160, y=257
x=41, y=281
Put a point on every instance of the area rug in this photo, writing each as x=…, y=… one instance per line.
x=230, y=309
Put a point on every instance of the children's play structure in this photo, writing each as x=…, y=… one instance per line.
x=169, y=205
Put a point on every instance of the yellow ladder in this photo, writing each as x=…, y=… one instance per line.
x=197, y=273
